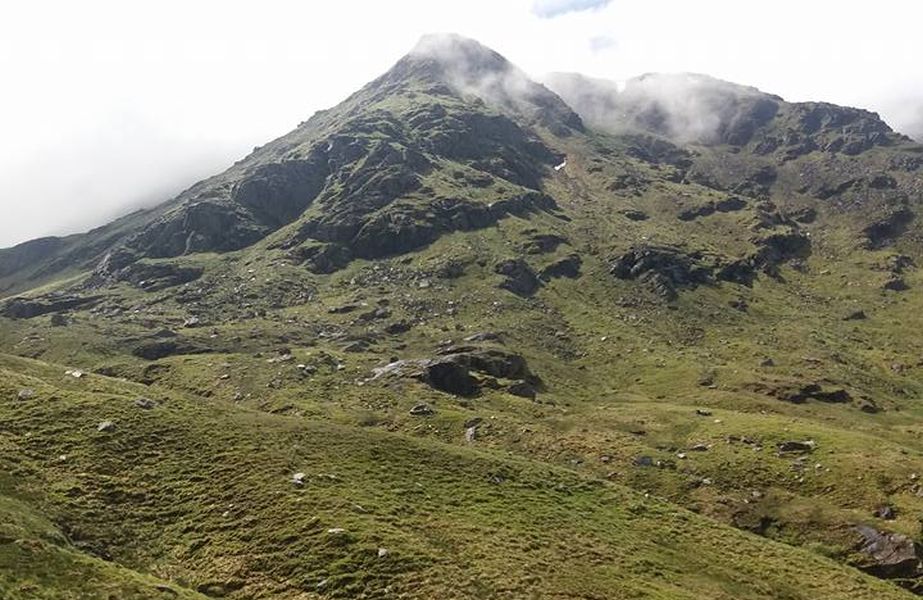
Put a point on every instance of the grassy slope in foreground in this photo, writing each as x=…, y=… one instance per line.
x=199, y=492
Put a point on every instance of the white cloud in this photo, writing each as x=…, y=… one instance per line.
x=107, y=104
x=553, y=8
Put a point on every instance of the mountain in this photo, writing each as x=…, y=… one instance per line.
x=465, y=335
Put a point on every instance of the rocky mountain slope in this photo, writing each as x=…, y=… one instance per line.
x=465, y=335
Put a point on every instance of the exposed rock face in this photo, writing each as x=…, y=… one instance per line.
x=665, y=269
x=884, y=231
x=27, y=308
x=462, y=371
x=520, y=279
x=406, y=226
x=727, y=205
x=890, y=555
x=120, y=265
x=157, y=349
x=668, y=269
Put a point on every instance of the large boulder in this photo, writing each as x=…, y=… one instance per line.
x=889, y=555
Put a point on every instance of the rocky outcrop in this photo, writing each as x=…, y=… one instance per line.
x=464, y=371
x=28, y=308
x=890, y=556
x=519, y=278
x=884, y=231
x=666, y=269
x=121, y=265
x=730, y=204
x=326, y=244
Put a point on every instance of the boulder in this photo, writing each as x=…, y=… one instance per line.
x=797, y=446
x=889, y=555
x=523, y=389
x=421, y=409
x=519, y=278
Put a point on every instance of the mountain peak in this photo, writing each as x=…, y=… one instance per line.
x=462, y=58
x=467, y=68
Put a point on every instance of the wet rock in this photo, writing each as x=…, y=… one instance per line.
x=520, y=279
x=421, y=409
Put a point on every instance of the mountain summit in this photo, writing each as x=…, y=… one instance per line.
x=467, y=336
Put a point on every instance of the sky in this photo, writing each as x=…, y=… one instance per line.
x=108, y=105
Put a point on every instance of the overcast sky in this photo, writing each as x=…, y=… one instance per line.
x=109, y=105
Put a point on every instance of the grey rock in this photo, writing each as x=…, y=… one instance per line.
x=890, y=555
x=145, y=403
x=421, y=409
x=795, y=446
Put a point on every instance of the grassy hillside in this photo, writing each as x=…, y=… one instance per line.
x=438, y=345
